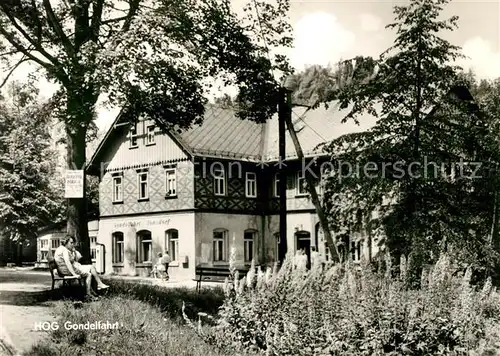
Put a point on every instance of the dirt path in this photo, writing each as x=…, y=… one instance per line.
x=25, y=301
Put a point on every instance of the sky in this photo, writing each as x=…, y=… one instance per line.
x=329, y=30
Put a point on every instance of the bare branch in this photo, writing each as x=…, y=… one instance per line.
x=35, y=44
x=24, y=59
x=56, y=26
x=20, y=48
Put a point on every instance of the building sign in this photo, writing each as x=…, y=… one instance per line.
x=142, y=223
x=74, y=184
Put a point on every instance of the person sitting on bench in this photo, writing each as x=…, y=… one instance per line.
x=66, y=259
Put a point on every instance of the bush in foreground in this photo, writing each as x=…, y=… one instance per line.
x=347, y=310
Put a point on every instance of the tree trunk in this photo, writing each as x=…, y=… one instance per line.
x=77, y=208
x=332, y=246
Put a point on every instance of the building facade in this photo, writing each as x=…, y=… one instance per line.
x=50, y=238
x=200, y=192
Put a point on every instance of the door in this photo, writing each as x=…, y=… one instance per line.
x=303, y=241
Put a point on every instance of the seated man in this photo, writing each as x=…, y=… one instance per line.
x=66, y=259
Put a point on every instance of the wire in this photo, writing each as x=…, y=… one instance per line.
x=305, y=123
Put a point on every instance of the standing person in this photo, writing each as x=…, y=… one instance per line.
x=66, y=259
x=165, y=260
x=315, y=258
x=159, y=269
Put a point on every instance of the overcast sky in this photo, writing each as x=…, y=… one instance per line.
x=326, y=31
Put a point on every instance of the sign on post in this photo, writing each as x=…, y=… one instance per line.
x=74, y=184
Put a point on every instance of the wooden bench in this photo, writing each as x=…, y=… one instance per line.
x=56, y=276
x=215, y=274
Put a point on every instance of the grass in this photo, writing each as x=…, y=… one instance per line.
x=149, y=318
x=169, y=300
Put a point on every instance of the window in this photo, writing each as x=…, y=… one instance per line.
x=301, y=183
x=44, y=249
x=277, y=185
x=117, y=189
x=219, y=181
x=133, y=137
x=172, y=243
x=248, y=241
x=356, y=250
x=144, y=246
x=150, y=135
x=251, y=185
x=170, y=182
x=118, y=251
x=142, y=182
x=220, y=245
x=93, y=243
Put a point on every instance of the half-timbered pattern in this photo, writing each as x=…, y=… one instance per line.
x=200, y=192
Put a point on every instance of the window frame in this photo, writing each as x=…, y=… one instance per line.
x=225, y=245
x=249, y=245
x=134, y=135
x=114, y=178
x=173, y=252
x=167, y=170
x=139, y=175
x=140, y=242
x=222, y=179
x=150, y=134
x=300, y=176
x=115, y=241
x=276, y=187
x=250, y=181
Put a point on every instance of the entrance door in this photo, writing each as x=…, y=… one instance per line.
x=303, y=241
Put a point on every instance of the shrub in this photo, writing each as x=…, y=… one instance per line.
x=353, y=310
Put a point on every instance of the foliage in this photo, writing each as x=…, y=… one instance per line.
x=155, y=58
x=30, y=197
x=409, y=167
x=355, y=310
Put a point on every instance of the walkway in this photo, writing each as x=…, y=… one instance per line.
x=26, y=299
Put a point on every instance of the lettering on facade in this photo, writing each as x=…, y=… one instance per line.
x=142, y=223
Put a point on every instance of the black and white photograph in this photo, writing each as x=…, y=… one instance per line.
x=249, y=177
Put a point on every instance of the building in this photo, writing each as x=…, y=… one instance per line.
x=199, y=192
x=49, y=238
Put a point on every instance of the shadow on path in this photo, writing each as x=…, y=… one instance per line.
x=39, y=298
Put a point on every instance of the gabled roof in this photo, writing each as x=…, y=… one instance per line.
x=223, y=135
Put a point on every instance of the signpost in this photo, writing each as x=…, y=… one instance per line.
x=73, y=184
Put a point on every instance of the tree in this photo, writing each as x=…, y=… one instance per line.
x=29, y=198
x=152, y=57
x=424, y=115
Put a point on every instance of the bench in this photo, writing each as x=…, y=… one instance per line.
x=54, y=273
x=215, y=274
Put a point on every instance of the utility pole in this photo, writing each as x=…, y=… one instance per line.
x=284, y=110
